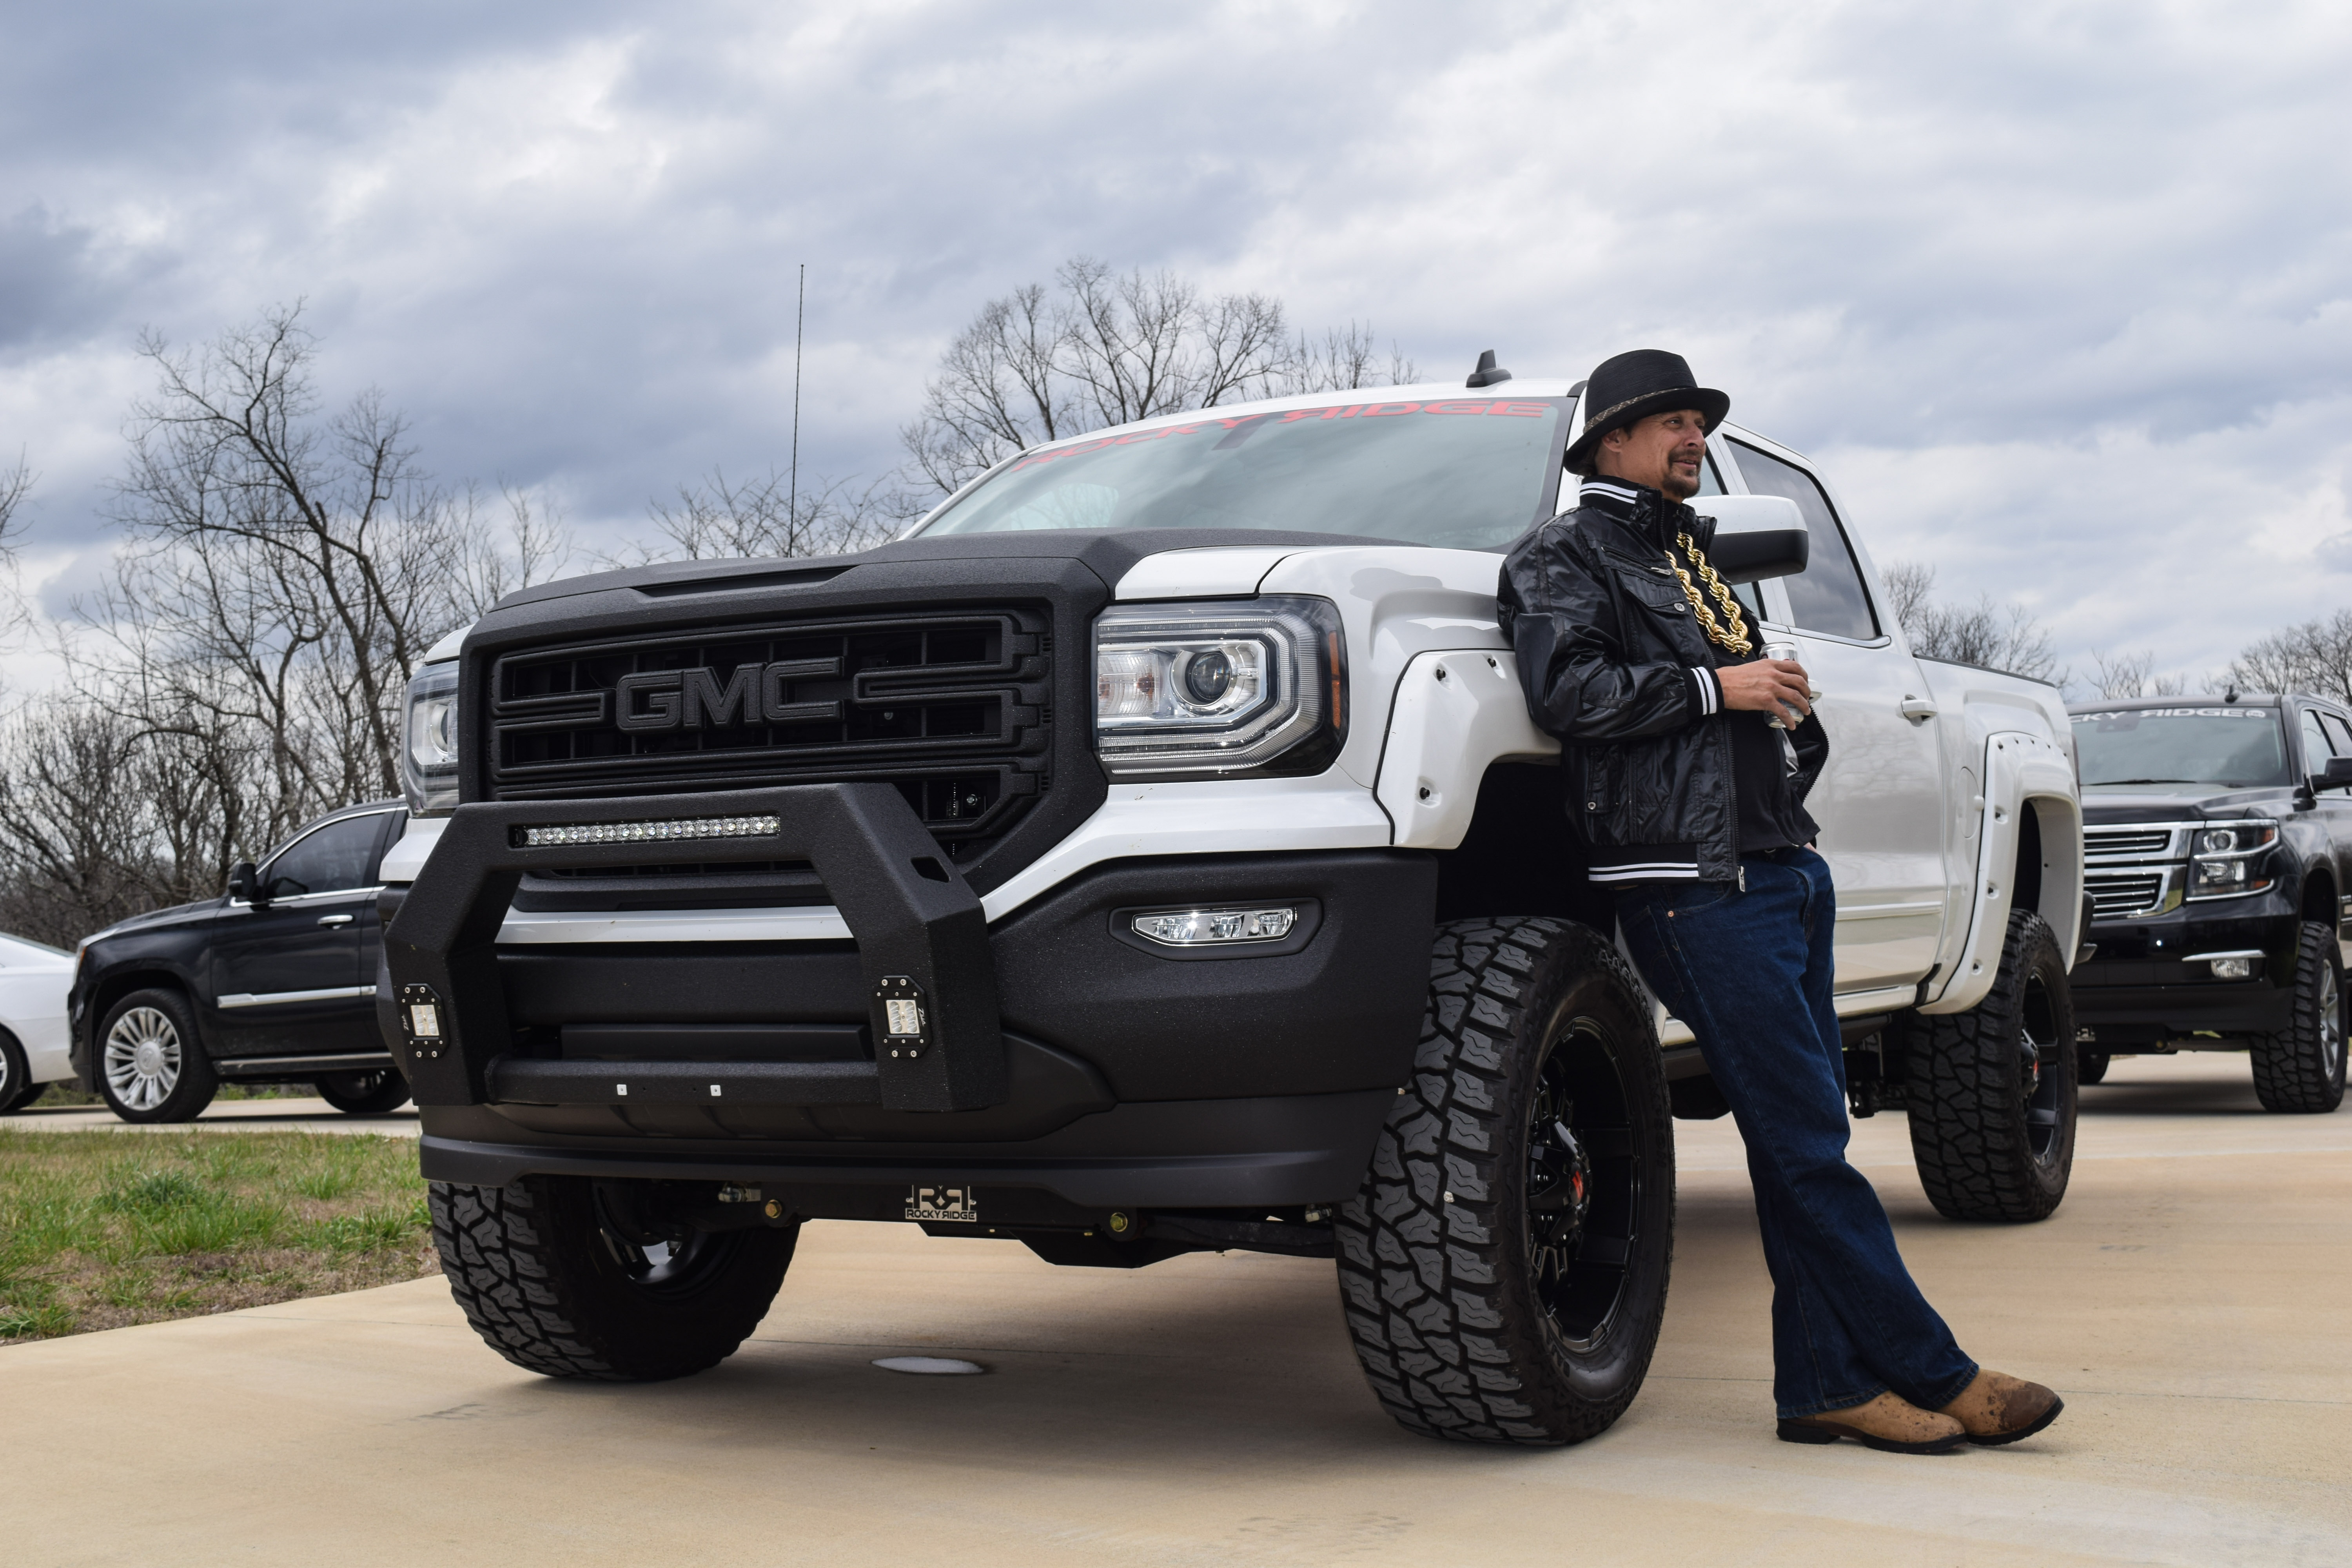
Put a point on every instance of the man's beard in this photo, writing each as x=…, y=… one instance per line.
x=1674, y=487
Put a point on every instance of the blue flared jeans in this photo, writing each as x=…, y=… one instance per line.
x=1749, y=971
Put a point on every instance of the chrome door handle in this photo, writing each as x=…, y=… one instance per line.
x=334, y=919
x=1917, y=709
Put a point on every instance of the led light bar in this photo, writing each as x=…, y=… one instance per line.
x=1204, y=928
x=652, y=831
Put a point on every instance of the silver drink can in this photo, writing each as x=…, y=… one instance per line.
x=1787, y=650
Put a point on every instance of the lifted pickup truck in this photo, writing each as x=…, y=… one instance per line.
x=2217, y=842
x=1152, y=852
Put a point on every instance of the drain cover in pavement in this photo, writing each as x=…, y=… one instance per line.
x=930, y=1365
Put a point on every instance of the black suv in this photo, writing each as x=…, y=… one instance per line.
x=2216, y=840
x=273, y=982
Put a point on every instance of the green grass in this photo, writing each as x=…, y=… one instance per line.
x=98, y=1229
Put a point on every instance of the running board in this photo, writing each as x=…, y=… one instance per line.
x=280, y=1067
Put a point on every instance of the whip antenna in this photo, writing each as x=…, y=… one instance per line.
x=800, y=326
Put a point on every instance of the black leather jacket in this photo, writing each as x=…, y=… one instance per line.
x=1615, y=664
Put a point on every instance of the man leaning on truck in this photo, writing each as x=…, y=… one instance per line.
x=1691, y=808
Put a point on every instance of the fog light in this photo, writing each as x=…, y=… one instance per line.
x=2232, y=968
x=1202, y=928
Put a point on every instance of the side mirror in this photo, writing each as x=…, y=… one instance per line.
x=2337, y=774
x=1756, y=537
x=241, y=883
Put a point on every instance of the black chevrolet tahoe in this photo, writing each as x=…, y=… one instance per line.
x=2217, y=846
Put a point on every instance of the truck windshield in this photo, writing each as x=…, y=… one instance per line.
x=2150, y=748
x=1473, y=473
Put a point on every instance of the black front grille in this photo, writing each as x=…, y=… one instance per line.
x=955, y=708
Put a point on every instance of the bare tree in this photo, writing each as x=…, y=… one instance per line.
x=1105, y=348
x=242, y=665
x=1994, y=636
x=2314, y=655
x=14, y=484
x=2130, y=675
x=718, y=517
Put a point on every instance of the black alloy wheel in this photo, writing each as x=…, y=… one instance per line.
x=1504, y=1266
x=368, y=1093
x=575, y=1277
x=1992, y=1093
x=1584, y=1184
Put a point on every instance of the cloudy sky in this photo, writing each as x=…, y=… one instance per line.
x=2061, y=295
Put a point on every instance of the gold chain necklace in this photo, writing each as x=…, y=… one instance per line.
x=1736, y=640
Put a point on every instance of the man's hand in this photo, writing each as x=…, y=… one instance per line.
x=1766, y=686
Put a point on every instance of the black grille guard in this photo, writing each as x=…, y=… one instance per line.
x=920, y=935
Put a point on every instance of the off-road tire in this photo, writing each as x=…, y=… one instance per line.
x=1993, y=1138
x=367, y=1093
x=2091, y=1066
x=1462, y=1330
x=16, y=1085
x=193, y=1082
x=543, y=1279
x=2301, y=1067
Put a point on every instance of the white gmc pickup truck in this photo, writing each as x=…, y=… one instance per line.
x=1148, y=852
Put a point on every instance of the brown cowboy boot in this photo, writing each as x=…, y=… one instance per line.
x=1998, y=1408
x=1890, y=1422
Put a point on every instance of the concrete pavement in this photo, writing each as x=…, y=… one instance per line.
x=2187, y=1299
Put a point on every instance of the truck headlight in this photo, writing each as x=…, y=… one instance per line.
x=429, y=755
x=2227, y=860
x=1214, y=689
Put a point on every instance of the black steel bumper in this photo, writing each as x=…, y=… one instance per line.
x=1130, y=1074
x=2139, y=990
x=920, y=933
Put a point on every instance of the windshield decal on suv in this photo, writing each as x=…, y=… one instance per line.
x=1508, y=409
x=2175, y=713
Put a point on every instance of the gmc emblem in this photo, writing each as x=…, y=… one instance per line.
x=693, y=699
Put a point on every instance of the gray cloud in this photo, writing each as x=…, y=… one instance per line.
x=2061, y=292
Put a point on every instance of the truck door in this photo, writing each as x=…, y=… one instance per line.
x=286, y=972
x=2333, y=805
x=1881, y=801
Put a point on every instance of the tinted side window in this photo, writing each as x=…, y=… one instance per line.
x=339, y=855
x=1827, y=595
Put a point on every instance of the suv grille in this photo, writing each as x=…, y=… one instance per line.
x=2123, y=892
x=953, y=707
x=2141, y=841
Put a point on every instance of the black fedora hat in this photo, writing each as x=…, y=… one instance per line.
x=1633, y=386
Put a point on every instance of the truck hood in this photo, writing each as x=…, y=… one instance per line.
x=2155, y=803
x=1110, y=553
x=178, y=914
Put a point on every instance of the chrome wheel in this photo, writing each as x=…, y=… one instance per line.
x=142, y=1058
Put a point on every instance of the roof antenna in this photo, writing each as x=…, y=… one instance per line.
x=2232, y=694
x=1488, y=372
x=800, y=325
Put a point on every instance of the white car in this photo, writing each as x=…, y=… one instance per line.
x=34, y=980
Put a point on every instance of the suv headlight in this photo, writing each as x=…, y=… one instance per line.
x=428, y=754
x=2230, y=858
x=1211, y=690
